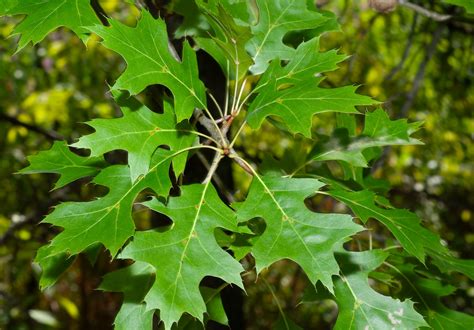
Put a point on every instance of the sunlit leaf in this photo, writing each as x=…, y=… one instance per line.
x=44, y=16
x=183, y=255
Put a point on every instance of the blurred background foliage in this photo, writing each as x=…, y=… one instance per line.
x=420, y=68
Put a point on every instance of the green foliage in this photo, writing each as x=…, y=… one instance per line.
x=292, y=231
x=42, y=17
x=138, y=132
x=362, y=307
x=149, y=62
x=467, y=4
x=186, y=253
x=271, y=74
x=60, y=160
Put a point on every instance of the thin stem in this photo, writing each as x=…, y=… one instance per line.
x=211, y=126
x=275, y=298
x=215, y=163
x=216, y=103
x=392, y=247
x=237, y=104
x=227, y=90
x=213, y=120
x=201, y=146
x=223, y=119
x=243, y=163
x=191, y=132
x=245, y=100
x=425, y=12
x=236, y=85
x=300, y=168
x=370, y=240
x=216, y=178
x=240, y=130
x=409, y=283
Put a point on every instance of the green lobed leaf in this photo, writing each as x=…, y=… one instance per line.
x=44, y=16
x=292, y=93
x=427, y=292
x=297, y=105
x=133, y=281
x=107, y=220
x=215, y=308
x=446, y=262
x=292, y=231
x=379, y=131
x=305, y=65
x=275, y=20
x=194, y=22
x=140, y=132
x=406, y=227
x=150, y=61
x=52, y=265
x=403, y=224
x=186, y=253
x=60, y=160
x=227, y=46
x=360, y=307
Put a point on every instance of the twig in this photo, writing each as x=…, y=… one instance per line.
x=241, y=162
x=210, y=125
x=277, y=302
x=52, y=135
x=406, y=52
x=216, y=178
x=430, y=51
x=215, y=163
x=425, y=12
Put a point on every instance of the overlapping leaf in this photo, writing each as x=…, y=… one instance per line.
x=406, y=227
x=140, y=132
x=186, y=253
x=292, y=93
x=134, y=282
x=150, y=61
x=106, y=220
x=379, y=131
x=194, y=22
x=292, y=231
x=44, y=16
x=60, y=160
x=360, y=307
x=403, y=224
x=52, y=264
x=446, y=262
x=428, y=292
x=227, y=46
x=275, y=20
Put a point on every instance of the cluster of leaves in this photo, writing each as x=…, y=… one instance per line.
x=257, y=44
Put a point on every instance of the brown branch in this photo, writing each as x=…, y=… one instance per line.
x=52, y=135
x=425, y=12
